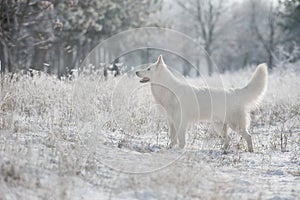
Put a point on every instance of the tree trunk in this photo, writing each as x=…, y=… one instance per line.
x=270, y=60
x=207, y=58
x=38, y=58
x=2, y=58
x=198, y=68
x=209, y=65
x=186, y=68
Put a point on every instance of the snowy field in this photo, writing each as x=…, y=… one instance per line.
x=88, y=138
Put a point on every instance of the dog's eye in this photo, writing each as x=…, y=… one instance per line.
x=148, y=69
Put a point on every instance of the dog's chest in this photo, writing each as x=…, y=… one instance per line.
x=162, y=95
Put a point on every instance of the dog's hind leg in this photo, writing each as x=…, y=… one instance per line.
x=221, y=128
x=245, y=134
x=240, y=122
x=244, y=121
x=172, y=134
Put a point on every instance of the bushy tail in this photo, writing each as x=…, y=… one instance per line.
x=252, y=94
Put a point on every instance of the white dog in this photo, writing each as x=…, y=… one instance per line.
x=184, y=103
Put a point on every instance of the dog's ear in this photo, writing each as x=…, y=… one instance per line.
x=160, y=60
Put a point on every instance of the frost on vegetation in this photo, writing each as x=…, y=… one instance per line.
x=57, y=134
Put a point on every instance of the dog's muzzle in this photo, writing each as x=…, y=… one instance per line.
x=144, y=79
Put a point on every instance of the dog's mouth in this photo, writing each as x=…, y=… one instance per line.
x=144, y=80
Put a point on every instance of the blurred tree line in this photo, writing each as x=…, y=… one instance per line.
x=240, y=33
x=56, y=35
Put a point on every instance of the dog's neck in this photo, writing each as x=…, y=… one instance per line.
x=164, y=88
x=166, y=79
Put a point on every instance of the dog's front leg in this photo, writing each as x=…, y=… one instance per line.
x=221, y=128
x=181, y=134
x=172, y=134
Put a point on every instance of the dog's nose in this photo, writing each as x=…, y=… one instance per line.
x=137, y=73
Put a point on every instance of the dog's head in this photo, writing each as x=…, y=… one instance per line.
x=152, y=72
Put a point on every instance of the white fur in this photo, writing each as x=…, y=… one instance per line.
x=184, y=103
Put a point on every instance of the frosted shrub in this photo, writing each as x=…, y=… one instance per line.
x=122, y=108
x=68, y=133
x=81, y=105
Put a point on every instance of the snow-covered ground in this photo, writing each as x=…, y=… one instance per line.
x=95, y=139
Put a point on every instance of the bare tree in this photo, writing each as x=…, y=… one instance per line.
x=267, y=34
x=207, y=14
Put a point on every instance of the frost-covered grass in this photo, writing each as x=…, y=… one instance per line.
x=88, y=138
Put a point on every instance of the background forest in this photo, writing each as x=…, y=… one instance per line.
x=55, y=36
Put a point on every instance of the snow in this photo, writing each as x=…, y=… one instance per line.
x=65, y=140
